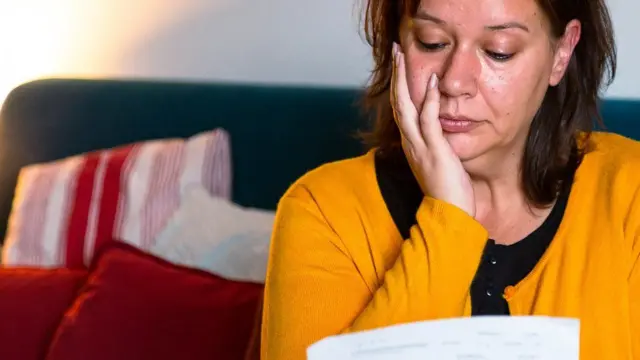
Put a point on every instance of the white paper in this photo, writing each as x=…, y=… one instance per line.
x=474, y=338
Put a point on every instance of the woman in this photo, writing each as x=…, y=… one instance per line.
x=485, y=192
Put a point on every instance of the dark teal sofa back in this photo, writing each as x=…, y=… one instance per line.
x=277, y=133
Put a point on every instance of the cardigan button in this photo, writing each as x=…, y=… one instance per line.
x=509, y=292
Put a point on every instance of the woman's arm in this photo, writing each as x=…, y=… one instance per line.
x=633, y=231
x=634, y=302
x=314, y=288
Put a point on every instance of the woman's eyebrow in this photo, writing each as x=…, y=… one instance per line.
x=422, y=15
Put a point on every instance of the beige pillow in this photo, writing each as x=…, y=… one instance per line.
x=215, y=235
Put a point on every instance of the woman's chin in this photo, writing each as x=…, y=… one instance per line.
x=464, y=146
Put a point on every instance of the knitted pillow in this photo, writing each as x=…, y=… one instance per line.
x=65, y=209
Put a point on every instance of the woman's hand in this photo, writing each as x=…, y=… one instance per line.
x=433, y=162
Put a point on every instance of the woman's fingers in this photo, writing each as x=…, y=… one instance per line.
x=406, y=114
x=435, y=166
x=419, y=130
x=430, y=127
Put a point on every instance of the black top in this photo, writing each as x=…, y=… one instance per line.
x=500, y=266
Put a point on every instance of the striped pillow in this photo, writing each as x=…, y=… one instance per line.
x=64, y=210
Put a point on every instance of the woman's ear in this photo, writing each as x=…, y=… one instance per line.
x=564, y=51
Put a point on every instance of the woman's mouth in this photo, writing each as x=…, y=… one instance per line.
x=457, y=124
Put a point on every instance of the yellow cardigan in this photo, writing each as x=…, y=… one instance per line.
x=338, y=263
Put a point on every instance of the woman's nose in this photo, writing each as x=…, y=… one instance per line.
x=460, y=72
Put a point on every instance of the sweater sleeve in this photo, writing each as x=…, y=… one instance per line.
x=314, y=289
x=633, y=232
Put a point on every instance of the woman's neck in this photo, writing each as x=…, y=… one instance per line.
x=498, y=195
x=501, y=204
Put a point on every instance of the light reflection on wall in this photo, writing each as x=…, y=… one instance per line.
x=77, y=38
x=34, y=35
x=291, y=41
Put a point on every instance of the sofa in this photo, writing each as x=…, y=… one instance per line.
x=131, y=296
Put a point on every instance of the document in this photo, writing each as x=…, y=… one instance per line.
x=474, y=338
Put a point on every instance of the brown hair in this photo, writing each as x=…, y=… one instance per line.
x=551, y=153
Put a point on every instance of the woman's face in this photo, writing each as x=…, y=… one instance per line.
x=495, y=60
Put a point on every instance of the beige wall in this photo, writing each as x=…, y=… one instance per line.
x=284, y=41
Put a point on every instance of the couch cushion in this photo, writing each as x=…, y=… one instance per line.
x=215, y=235
x=64, y=210
x=136, y=306
x=32, y=304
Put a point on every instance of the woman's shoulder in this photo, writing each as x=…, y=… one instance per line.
x=613, y=150
x=337, y=196
x=338, y=180
x=614, y=143
x=612, y=160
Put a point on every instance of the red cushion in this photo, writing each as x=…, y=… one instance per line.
x=32, y=303
x=137, y=306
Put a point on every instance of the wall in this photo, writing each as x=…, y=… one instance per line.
x=627, y=28
x=285, y=41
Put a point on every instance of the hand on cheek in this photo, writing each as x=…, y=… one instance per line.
x=434, y=164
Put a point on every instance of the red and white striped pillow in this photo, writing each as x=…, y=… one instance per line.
x=64, y=210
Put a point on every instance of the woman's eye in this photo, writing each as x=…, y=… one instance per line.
x=432, y=46
x=499, y=56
